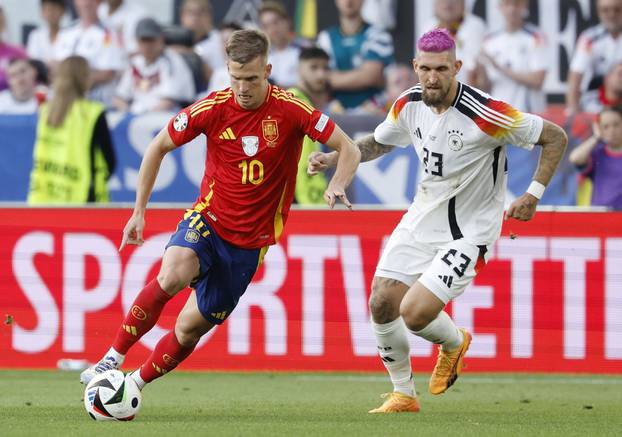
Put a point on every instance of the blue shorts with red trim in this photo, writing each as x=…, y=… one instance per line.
x=225, y=269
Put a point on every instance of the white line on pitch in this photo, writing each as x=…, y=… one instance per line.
x=570, y=379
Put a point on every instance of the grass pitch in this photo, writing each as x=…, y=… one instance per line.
x=49, y=403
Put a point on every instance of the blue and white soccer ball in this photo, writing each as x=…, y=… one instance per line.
x=112, y=396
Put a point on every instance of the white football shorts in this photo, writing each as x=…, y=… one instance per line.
x=444, y=268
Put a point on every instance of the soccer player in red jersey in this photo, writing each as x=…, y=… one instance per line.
x=254, y=133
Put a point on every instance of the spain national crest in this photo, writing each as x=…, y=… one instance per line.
x=270, y=131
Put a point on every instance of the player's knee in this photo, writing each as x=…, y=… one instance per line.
x=187, y=335
x=414, y=317
x=381, y=307
x=170, y=281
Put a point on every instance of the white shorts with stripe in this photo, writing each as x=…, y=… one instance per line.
x=444, y=268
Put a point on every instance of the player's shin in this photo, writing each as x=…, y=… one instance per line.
x=394, y=350
x=141, y=317
x=443, y=331
x=167, y=355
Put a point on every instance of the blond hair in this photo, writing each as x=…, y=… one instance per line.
x=245, y=45
x=71, y=82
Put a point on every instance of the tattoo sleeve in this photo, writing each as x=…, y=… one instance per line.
x=370, y=149
x=553, y=141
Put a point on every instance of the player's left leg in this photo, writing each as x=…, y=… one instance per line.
x=451, y=271
x=423, y=314
x=175, y=346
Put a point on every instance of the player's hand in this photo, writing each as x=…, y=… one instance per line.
x=522, y=208
x=133, y=231
x=333, y=193
x=319, y=162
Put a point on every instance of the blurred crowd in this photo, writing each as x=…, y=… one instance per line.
x=138, y=64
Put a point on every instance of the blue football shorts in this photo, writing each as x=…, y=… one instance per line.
x=225, y=269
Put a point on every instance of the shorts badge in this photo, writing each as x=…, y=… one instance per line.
x=191, y=236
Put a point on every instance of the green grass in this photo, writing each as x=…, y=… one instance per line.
x=185, y=404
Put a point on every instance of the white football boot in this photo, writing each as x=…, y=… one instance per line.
x=106, y=363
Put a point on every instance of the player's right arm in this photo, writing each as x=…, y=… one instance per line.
x=388, y=134
x=369, y=147
x=157, y=149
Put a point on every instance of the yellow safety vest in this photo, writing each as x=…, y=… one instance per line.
x=63, y=168
x=309, y=189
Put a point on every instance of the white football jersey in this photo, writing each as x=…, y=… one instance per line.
x=523, y=51
x=463, y=161
x=597, y=51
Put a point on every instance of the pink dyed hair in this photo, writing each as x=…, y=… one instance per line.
x=436, y=41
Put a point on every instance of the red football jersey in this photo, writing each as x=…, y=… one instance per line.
x=251, y=163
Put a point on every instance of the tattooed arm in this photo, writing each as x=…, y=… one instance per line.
x=369, y=147
x=553, y=140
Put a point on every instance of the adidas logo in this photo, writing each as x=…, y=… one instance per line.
x=448, y=280
x=220, y=316
x=227, y=134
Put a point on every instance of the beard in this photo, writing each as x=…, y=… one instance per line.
x=432, y=97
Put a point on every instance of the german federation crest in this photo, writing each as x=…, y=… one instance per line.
x=250, y=144
x=454, y=141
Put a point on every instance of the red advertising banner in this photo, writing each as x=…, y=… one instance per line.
x=550, y=298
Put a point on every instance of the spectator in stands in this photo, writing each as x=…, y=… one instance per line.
x=399, y=77
x=220, y=77
x=97, y=44
x=380, y=13
x=157, y=78
x=312, y=88
x=284, y=52
x=608, y=94
x=20, y=97
x=196, y=15
x=7, y=52
x=467, y=29
x=73, y=154
x=600, y=158
x=41, y=40
x=514, y=61
x=180, y=40
x=121, y=17
x=359, y=52
x=598, y=49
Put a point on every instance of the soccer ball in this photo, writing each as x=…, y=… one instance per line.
x=112, y=396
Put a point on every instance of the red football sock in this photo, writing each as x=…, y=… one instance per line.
x=167, y=355
x=141, y=317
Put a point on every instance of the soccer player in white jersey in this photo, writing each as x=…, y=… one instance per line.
x=460, y=135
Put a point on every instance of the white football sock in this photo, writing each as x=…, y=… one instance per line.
x=116, y=355
x=443, y=331
x=394, y=351
x=135, y=375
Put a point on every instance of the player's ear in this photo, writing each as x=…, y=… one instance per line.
x=268, y=70
x=415, y=64
x=458, y=65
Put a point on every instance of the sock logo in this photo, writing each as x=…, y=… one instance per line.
x=139, y=313
x=130, y=329
x=169, y=361
x=158, y=369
